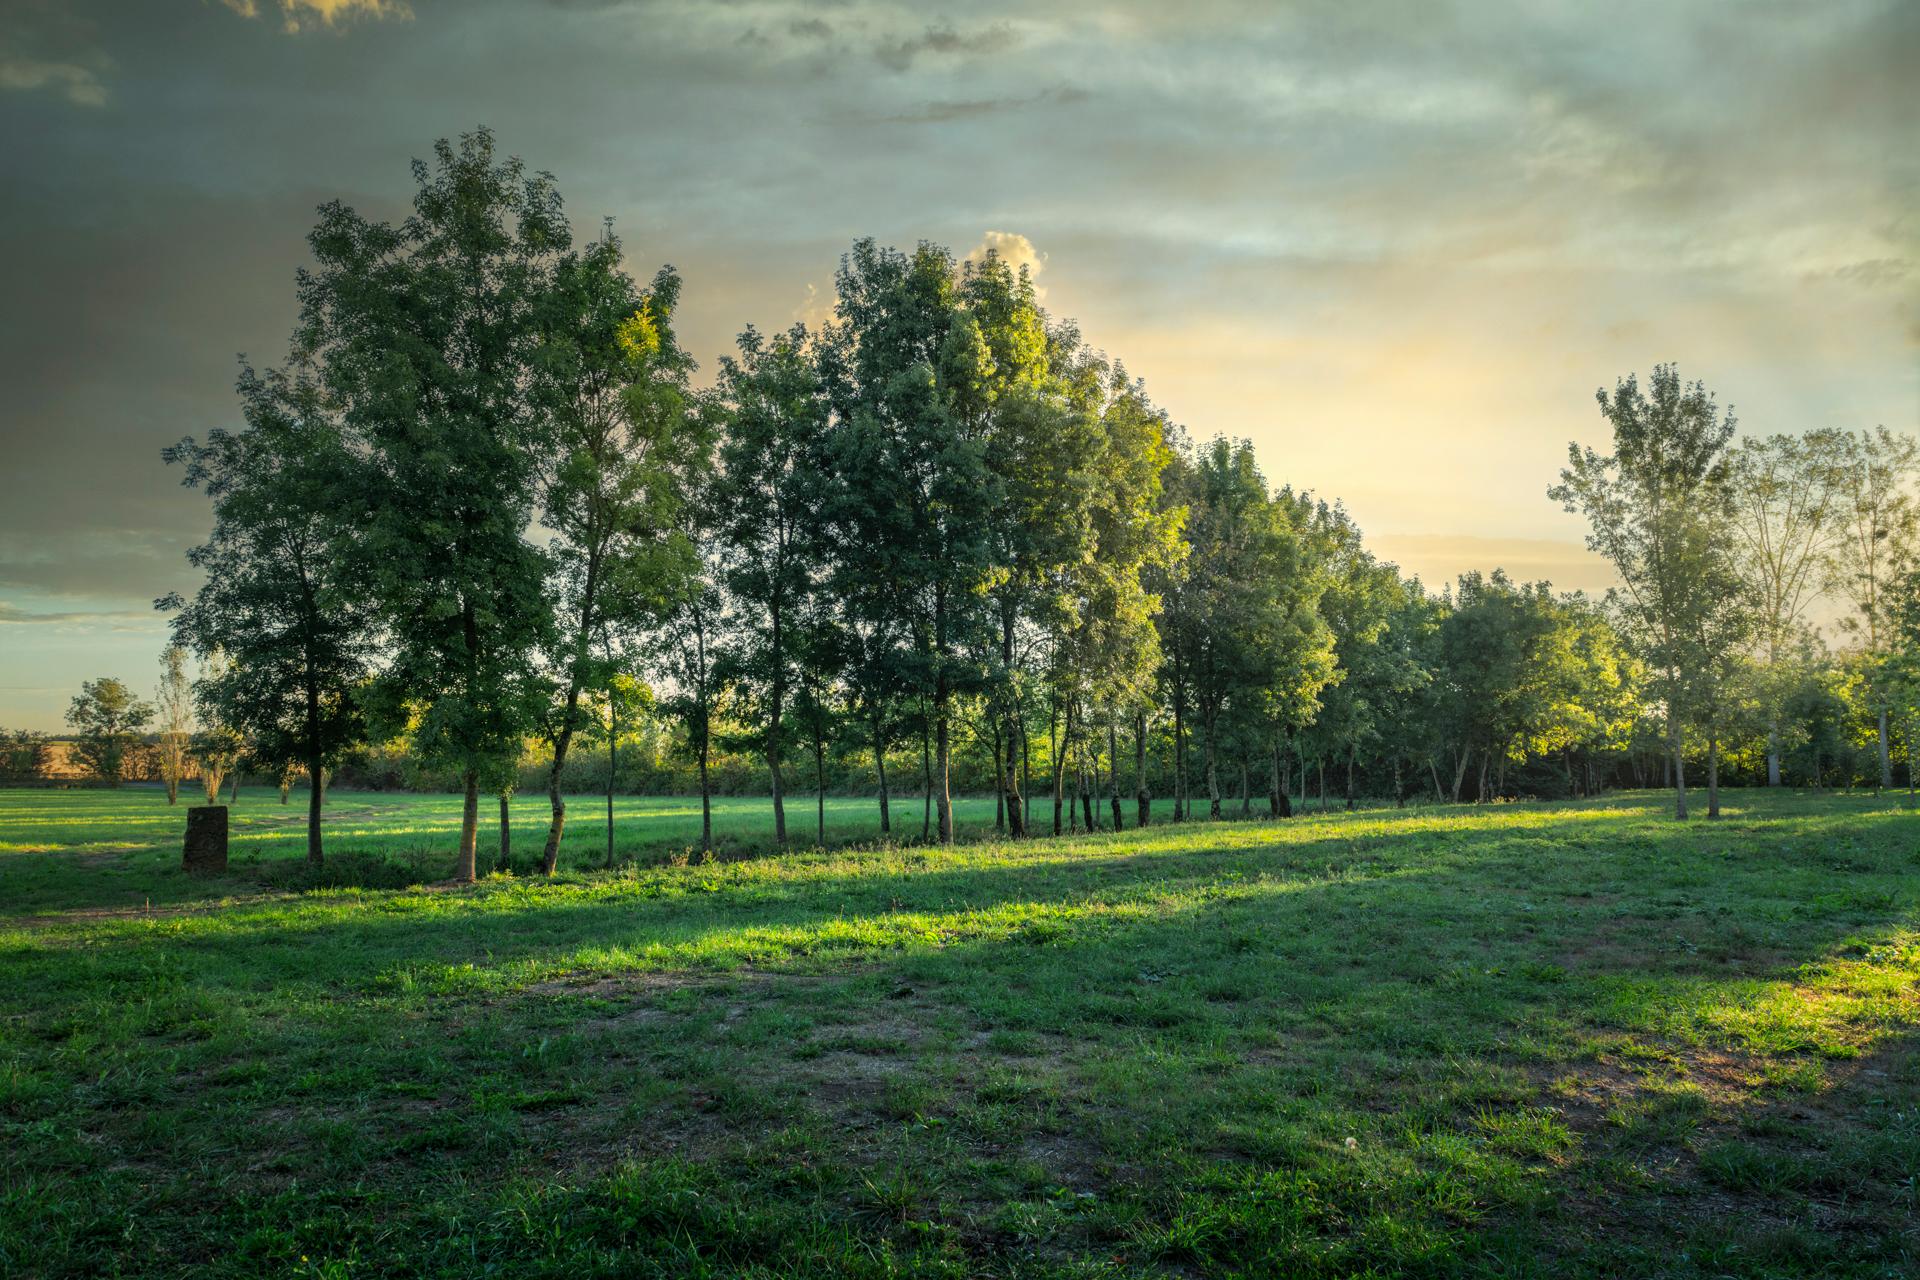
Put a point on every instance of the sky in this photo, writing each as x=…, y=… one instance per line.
x=1396, y=245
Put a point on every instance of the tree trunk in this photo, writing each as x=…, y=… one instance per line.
x=1886, y=761
x=1276, y=786
x=1773, y=751
x=506, y=834
x=469, y=828
x=314, y=792
x=943, y=761
x=1058, y=748
x=706, y=797
x=819, y=791
x=1002, y=766
x=1010, y=791
x=1352, y=752
x=1246, y=790
x=880, y=767
x=1142, y=794
x=234, y=796
x=926, y=775
x=1679, y=768
x=1026, y=781
x=613, y=766
x=1113, y=772
x=562, y=744
x=1213, y=767
x=1713, y=776
x=1179, y=754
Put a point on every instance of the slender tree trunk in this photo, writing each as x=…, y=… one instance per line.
x=926, y=775
x=1679, y=771
x=1246, y=790
x=314, y=792
x=1276, y=786
x=1026, y=780
x=506, y=834
x=1213, y=765
x=1012, y=799
x=1113, y=771
x=819, y=790
x=1352, y=752
x=1180, y=806
x=613, y=764
x=943, y=762
x=1886, y=761
x=1460, y=772
x=562, y=744
x=706, y=793
x=1142, y=794
x=1773, y=750
x=1713, y=776
x=880, y=768
x=1002, y=766
x=1320, y=767
x=233, y=796
x=1058, y=749
x=469, y=827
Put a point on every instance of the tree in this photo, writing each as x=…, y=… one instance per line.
x=1657, y=509
x=1784, y=492
x=217, y=747
x=107, y=719
x=23, y=755
x=764, y=500
x=684, y=646
x=912, y=487
x=282, y=616
x=174, y=700
x=624, y=455
x=1879, y=527
x=1246, y=635
x=427, y=337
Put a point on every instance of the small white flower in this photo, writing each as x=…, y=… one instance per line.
x=1353, y=1144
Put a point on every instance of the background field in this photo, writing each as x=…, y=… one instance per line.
x=1575, y=1039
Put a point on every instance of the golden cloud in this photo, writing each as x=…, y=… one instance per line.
x=301, y=15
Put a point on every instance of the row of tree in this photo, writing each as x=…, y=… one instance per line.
x=481, y=503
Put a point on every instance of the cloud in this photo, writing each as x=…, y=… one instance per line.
x=48, y=48
x=77, y=84
x=1015, y=250
x=943, y=112
x=12, y=615
x=899, y=55
x=303, y=15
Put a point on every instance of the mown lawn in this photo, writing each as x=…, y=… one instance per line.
x=1566, y=1040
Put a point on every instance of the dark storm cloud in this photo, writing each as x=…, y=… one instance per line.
x=1416, y=230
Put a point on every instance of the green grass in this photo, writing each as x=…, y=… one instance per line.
x=1565, y=1040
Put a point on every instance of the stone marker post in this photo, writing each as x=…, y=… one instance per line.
x=206, y=851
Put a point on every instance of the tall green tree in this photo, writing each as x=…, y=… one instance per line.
x=1784, y=493
x=427, y=337
x=913, y=489
x=107, y=720
x=1657, y=509
x=625, y=455
x=765, y=503
x=1877, y=538
x=173, y=702
x=282, y=617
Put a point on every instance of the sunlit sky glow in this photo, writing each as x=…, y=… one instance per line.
x=1396, y=245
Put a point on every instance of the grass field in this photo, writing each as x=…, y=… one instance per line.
x=1557, y=1040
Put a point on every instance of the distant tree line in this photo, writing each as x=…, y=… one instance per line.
x=480, y=525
